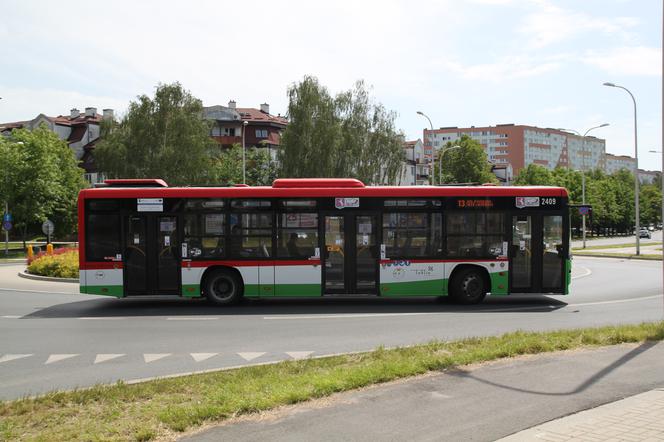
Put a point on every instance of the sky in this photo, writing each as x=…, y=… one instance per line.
x=461, y=62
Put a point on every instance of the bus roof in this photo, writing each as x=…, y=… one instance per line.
x=314, y=188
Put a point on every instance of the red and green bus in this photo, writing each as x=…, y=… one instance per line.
x=322, y=237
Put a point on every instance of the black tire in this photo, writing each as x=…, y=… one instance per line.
x=223, y=287
x=468, y=287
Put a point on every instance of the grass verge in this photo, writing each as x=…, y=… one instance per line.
x=619, y=246
x=164, y=407
x=649, y=257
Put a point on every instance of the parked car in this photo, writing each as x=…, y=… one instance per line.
x=644, y=233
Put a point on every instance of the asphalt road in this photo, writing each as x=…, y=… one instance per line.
x=515, y=395
x=656, y=236
x=53, y=338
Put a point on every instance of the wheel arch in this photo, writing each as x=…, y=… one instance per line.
x=220, y=267
x=481, y=269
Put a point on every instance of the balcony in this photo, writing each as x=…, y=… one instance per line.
x=227, y=140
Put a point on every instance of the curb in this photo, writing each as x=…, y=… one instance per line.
x=616, y=257
x=26, y=275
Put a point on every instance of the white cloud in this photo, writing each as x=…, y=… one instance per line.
x=624, y=60
x=551, y=24
x=507, y=68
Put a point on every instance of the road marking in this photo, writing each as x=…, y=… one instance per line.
x=151, y=357
x=251, y=355
x=38, y=291
x=10, y=357
x=588, y=272
x=298, y=354
x=107, y=357
x=59, y=357
x=11, y=316
x=199, y=357
x=351, y=315
x=615, y=301
x=102, y=317
x=194, y=318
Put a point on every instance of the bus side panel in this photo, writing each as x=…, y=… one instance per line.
x=411, y=278
x=568, y=276
x=297, y=278
x=251, y=282
x=191, y=281
x=108, y=282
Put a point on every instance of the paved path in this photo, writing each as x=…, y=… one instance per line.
x=480, y=403
x=638, y=418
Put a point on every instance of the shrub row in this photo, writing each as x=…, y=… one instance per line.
x=63, y=264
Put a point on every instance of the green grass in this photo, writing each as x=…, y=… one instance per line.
x=618, y=246
x=166, y=407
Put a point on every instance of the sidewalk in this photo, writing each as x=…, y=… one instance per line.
x=638, y=418
x=486, y=402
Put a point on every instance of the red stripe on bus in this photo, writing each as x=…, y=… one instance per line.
x=279, y=263
x=101, y=265
x=427, y=261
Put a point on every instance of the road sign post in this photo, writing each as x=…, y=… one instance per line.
x=7, y=226
x=48, y=228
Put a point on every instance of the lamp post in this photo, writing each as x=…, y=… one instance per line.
x=583, y=174
x=244, y=158
x=443, y=151
x=636, y=168
x=430, y=125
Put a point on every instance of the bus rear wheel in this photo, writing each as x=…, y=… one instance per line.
x=468, y=287
x=222, y=287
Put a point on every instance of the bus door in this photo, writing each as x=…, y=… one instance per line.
x=537, y=261
x=151, y=256
x=350, y=253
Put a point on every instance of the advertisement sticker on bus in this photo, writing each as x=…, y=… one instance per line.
x=341, y=203
x=527, y=201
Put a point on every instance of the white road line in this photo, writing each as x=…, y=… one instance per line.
x=194, y=318
x=38, y=291
x=107, y=357
x=199, y=357
x=151, y=357
x=350, y=315
x=615, y=301
x=251, y=355
x=11, y=316
x=92, y=318
x=588, y=272
x=59, y=357
x=299, y=354
x=10, y=357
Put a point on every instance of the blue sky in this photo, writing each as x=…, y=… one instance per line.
x=473, y=62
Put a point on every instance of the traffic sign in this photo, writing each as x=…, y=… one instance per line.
x=584, y=210
x=48, y=227
x=7, y=225
x=7, y=217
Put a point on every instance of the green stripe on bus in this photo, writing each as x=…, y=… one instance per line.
x=433, y=287
x=107, y=290
x=499, y=283
x=297, y=290
x=568, y=276
x=191, y=290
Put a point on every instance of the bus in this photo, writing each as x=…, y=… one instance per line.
x=322, y=237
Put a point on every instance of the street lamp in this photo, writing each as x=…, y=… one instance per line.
x=431, y=125
x=244, y=159
x=636, y=167
x=583, y=174
x=440, y=162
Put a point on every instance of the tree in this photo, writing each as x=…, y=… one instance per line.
x=467, y=163
x=261, y=170
x=534, y=175
x=40, y=179
x=650, y=201
x=343, y=136
x=161, y=137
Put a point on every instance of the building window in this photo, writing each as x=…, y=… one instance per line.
x=261, y=133
x=229, y=131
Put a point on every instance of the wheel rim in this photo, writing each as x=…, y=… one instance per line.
x=223, y=288
x=472, y=287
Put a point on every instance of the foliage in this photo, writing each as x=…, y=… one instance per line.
x=161, y=137
x=466, y=163
x=344, y=136
x=58, y=251
x=40, y=179
x=260, y=169
x=158, y=408
x=58, y=265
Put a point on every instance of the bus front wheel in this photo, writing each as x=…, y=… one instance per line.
x=222, y=287
x=468, y=287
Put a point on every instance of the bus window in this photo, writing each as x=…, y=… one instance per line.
x=297, y=235
x=204, y=235
x=475, y=234
x=412, y=234
x=103, y=237
x=251, y=235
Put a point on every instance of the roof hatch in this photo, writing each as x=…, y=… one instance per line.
x=299, y=183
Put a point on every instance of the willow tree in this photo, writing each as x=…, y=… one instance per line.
x=348, y=135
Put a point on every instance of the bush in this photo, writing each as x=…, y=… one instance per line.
x=59, y=265
x=58, y=251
